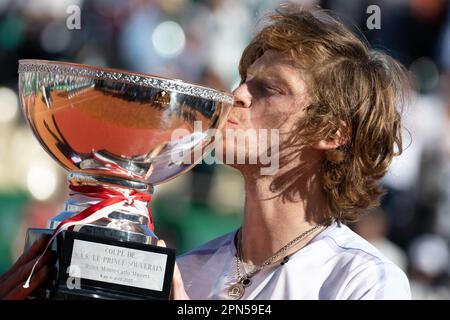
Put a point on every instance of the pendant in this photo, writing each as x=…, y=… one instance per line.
x=236, y=291
x=246, y=282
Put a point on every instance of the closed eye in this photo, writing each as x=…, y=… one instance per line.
x=272, y=89
x=263, y=87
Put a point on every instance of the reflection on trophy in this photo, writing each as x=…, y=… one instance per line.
x=113, y=132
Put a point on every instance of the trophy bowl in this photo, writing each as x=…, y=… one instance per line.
x=118, y=134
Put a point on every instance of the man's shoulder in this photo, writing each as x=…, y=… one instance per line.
x=366, y=269
x=345, y=243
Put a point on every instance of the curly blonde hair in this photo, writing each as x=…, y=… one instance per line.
x=353, y=90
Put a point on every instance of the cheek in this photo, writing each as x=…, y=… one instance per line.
x=276, y=113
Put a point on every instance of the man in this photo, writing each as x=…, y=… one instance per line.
x=334, y=104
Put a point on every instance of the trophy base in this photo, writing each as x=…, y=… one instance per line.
x=92, y=267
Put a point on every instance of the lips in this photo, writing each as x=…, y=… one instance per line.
x=232, y=121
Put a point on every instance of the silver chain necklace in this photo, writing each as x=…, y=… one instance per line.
x=237, y=290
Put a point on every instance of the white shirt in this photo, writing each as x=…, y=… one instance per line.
x=336, y=264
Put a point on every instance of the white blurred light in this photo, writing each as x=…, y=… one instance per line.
x=45, y=8
x=429, y=253
x=55, y=37
x=9, y=104
x=168, y=39
x=235, y=84
x=41, y=181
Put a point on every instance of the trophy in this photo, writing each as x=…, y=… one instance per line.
x=118, y=134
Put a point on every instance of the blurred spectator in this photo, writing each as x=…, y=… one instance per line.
x=408, y=181
x=434, y=197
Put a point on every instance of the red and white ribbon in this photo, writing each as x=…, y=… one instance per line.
x=108, y=201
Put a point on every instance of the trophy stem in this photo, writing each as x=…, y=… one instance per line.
x=124, y=224
x=86, y=179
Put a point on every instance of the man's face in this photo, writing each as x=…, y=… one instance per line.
x=272, y=97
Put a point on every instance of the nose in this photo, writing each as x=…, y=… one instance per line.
x=242, y=96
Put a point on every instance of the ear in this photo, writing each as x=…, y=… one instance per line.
x=339, y=138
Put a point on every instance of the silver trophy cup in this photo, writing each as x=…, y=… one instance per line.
x=118, y=134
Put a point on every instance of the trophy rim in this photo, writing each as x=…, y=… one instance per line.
x=129, y=77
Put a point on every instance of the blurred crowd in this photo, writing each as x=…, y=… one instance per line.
x=201, y=41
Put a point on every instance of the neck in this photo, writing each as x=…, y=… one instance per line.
x=271, y=221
